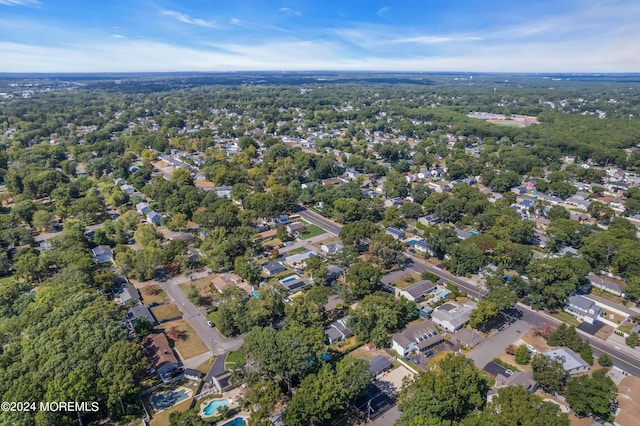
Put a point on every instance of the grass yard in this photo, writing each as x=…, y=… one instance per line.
x=235, y=359
x=296, y=251
x=311, y=231
x=184, y=338
x=206, y=366
x=153, y=294
x=166, y=312
x=407, y=280
x=566, y=317
x=214, y=317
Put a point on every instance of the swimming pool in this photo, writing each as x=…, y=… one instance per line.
x=255, y=294
x=238, y=421
x=290, y=279
x=162, y=401
x=473, y=232
x=213, y=406
x=412, y=241
x=443, y=293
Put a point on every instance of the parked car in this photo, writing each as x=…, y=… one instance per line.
x=428, y=354
x=210, y=324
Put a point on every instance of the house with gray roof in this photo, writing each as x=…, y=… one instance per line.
x=272, y=268
x=606, y=285
x=417, y=291
x=299, y=259
x=127, y=293
x=102, y=254
x=571, y=361
x=378, y=365
x=451, y=316
x=419, y=337
x=338, y=330
x=139, y=311
x=584, y=309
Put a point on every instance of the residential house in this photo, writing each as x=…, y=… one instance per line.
x=294, y=283
x=571, y=361
x=423, y=247
x=191, y=374
x=161, y=356
x=429, y=220
x=128, y=189
x=120, y=181
x=579, y=203
x=586, y=310
x=606, y=285
x=451, y=316
x=396, y=233
x=332, y=247
x=102, y=254
x=463, y=235
x=154, y=217
x=143, y=208
x=308, y=185
x=338, y=330
x=223, y=191
x=378, y=365
x=333, y=181
x=417, y=291
x=419, y=337
x=298, y=259
x=139, y=311
x=295, y=227
x=522, y=378
x=127, y=293
x=273, y=268
x=393, y=202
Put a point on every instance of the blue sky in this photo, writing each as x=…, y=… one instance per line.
x=221, y=35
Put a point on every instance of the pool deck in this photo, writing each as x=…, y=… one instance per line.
x=178, y=389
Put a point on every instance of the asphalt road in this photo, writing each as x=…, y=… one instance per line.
x=324, y=223
x=50, y=235
x=210, y=336
x=622, y=360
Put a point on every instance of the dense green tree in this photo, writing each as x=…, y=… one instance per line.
x=522, y=355
x=363, y=278
x=448, y=394
x=548, y=372
x=592, y=396
x=514, y=405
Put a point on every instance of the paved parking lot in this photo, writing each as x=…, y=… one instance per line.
x=391, y=382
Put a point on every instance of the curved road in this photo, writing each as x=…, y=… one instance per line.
x=621, y=359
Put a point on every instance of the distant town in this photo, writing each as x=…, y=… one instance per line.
x=321, y=248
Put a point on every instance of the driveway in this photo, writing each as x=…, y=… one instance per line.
x=197, y=319
x=494, y=345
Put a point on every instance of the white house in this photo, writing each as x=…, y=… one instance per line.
x=417, y=291
x=452, y=316
x=584, y=309
x=330, y=248
x=419, y=337
x=571, y=361
x=606, y=285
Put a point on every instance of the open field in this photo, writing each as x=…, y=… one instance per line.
x=184, y=338
x=407, y=280
x=165, y=312
x=151, y=294
x=311, y=231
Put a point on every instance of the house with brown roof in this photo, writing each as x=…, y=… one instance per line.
x=160, y=355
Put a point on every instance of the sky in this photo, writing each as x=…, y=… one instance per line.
x=400, y=35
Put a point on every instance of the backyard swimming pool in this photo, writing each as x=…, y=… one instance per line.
x=162, y=401
x=412, y=241
x=238, y=421
x=213, y=406
x=290, y=279
x=443, y=293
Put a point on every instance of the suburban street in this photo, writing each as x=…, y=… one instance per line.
x=210, y=336
x=50, y=235
x=529, y=316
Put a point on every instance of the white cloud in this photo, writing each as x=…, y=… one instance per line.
x=234, y=21
x=29, y=3
x=289, y=11
x=437, y=39
x=383, y=11
x=117, y=36
x=189, y=20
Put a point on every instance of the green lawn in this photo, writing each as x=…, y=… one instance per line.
x=297, y=251
x=235, y=358
x=311, y=231
x=566, y=317
x=214, y=317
